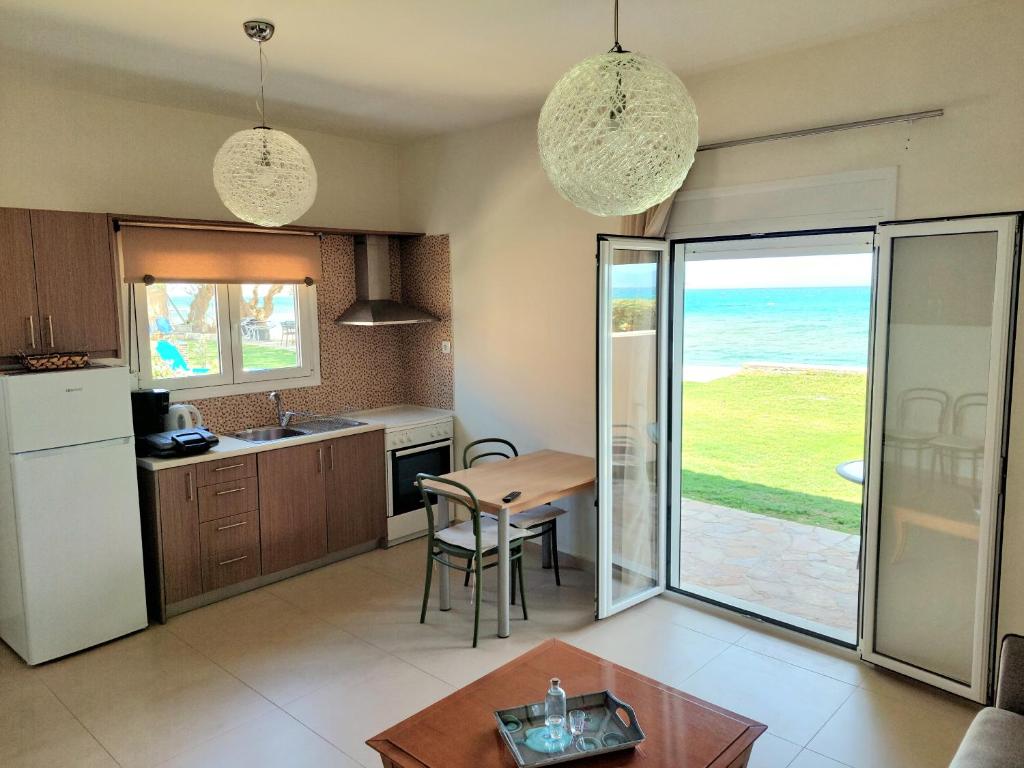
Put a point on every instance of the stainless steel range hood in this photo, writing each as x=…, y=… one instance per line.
x=373, y=304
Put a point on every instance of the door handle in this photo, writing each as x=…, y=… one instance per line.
x=49, y=325
x=31, y=331
x=330, y=452
x=233, y=560
x=320, y=461
x=188, y=486
x=233, y=490
x=233, y=525
x=230, y=466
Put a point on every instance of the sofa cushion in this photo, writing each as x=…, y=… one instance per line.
x=994, y=740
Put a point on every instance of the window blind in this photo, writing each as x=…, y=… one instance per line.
x=169, y=254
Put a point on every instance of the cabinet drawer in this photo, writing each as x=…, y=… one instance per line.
x=231, y=550
x=225, y=499
x=223, y=470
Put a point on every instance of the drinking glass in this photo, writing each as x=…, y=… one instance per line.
x=577, y=723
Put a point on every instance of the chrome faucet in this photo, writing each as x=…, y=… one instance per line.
x=283, y=416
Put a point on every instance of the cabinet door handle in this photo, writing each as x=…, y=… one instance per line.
x=231, y=466
x=32, y=331
x=49, y=325
x=233, y=490
x=330, y=451
x=320, y=461
x=232, y=560
x=232, y=525
x=188, y=486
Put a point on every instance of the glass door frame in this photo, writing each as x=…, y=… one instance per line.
x=677, y=247
x=606, y=244
x=1007, y=226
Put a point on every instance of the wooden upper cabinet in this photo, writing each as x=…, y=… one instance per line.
x=356, y=493
x=178, y=497
x=293, y=512
x=19, y=315
x=76, y=282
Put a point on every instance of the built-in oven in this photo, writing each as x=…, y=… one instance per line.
x=411, y=451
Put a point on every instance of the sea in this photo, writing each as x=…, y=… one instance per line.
x=825, y=326
x=179, y=304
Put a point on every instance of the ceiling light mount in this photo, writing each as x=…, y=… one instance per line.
x=616, y=46
x=258, y=30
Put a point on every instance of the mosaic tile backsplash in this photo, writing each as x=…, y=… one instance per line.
x=366, y=367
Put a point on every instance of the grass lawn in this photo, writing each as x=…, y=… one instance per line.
x=258, y=357
x=201, y=352
x=769, y=443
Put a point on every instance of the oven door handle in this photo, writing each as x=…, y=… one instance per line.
x=422, y=448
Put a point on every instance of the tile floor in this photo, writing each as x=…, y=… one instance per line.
x=805, y=574
x=300, y=673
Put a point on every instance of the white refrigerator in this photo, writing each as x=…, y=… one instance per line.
x=70, y=542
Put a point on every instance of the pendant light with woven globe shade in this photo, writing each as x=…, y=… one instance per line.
x=262, y=175
x=618, y=133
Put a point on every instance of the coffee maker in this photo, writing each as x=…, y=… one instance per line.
x=149, y=408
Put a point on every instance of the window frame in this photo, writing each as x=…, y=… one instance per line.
x=305, y=325
x=233, y=379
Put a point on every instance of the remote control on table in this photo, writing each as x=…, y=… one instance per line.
x=511, y=496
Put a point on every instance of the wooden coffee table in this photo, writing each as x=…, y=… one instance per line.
x=460, y=732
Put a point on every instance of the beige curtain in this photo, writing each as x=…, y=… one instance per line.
x=651, y=223
x=197, y=255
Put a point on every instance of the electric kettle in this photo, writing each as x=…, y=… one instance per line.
x=182, y=416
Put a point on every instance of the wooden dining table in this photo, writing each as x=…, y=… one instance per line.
x=540, y=477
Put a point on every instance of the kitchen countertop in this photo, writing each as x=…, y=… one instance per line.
x=388, y=418
x=401, y=416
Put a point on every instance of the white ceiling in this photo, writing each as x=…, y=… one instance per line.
x=396, y=69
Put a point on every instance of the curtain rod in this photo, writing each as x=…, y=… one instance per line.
x=212, y=228
x=909, y=117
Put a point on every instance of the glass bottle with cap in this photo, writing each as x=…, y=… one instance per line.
x=554, y=710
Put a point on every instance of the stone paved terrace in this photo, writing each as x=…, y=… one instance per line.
x=790, y=568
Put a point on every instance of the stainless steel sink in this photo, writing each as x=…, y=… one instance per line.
x=315, y=426
x=267, y=434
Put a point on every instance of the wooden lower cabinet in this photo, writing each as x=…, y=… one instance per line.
x=221, y=522
x=293, y=512
x=356, y=493
x=231, y=550
x=179, y=533
x=226, y=499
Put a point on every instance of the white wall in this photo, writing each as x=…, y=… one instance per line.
x=71, y=150
x=523, y=259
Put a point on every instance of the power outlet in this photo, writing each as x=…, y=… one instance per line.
x=446, y=347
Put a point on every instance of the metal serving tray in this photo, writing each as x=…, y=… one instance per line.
x=606, y=731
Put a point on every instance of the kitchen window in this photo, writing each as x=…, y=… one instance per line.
x=210, y=339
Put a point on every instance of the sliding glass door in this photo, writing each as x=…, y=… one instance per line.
x=938, y=448
x=771, y=339
x=632, y=401
x=813, y=428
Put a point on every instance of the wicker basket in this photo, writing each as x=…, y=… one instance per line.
x=55, y=361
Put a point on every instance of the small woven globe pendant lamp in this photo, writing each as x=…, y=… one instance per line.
x=264, y=176
x=618, y=133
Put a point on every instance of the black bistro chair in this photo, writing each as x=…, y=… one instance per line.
x=472, y=541
x=540, y=521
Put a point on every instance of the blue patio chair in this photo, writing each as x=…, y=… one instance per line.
x=163, y=325
x=172, y=355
